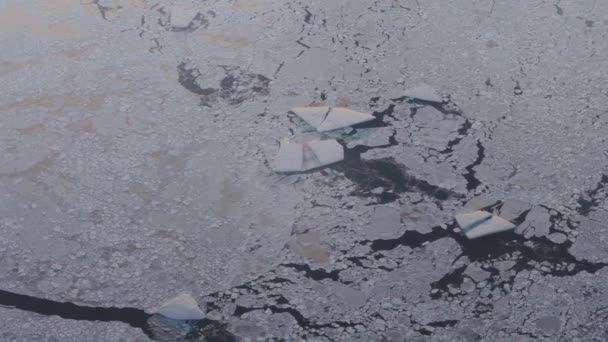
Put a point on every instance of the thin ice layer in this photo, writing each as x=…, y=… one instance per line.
x=290, y=158
x=327, y=151
x=314, y=116
x=492, y=226
x=469, y=220
x=343, y=117
x=423, y=92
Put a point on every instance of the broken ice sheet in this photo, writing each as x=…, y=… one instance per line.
x=181, y=17
x=423, y=92
x=181, y=307
x=293, y=157
x=328, y=119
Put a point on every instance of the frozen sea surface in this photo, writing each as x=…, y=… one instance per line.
x=136, y=146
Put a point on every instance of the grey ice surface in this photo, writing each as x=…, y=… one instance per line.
x=136, y=163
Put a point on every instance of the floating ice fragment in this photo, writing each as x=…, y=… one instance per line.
x=327, y=151
x=294, y=157
x=289, y=158
x=469, y=220
x=492, y=226
x=343, y=117
x=181, y=307
x=314, y=116
x=182, y=17
x=328, y=119
x=423, y=92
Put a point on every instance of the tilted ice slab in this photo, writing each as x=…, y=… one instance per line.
x=480, y=223
x=423, y=92
x=343, y=117
x=327, y=151
x=182, y=17
x=290, y=158
x=314, y=116
x=492, y=226
x=470, y=220
x=328, y=119
x=293, y=157
x=181, y=307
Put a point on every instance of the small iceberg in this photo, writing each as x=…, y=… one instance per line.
x=181, y=307
x=293, y=157
x=480, y=223
x=328, y=119
x=424, y=92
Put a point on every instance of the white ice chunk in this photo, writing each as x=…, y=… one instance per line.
x=181, y=17
x=423, y=92
x=314, y=116
x=290, y=158
x=469, y=220
x=327, y=151
x=492, y=226
x=343, y=117
x=182, y=307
